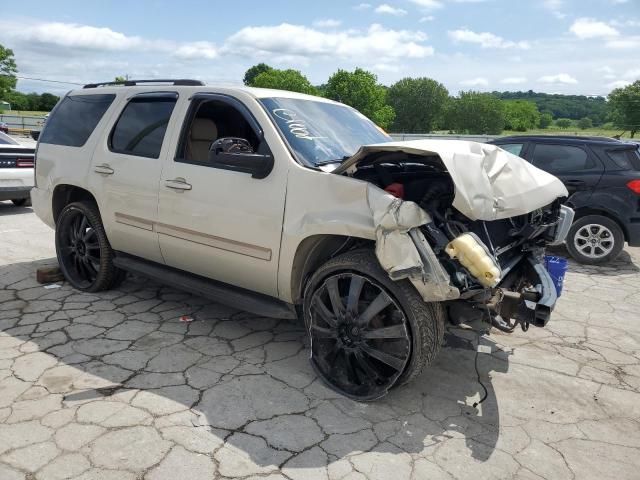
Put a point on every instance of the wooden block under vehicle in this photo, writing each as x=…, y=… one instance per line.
x=49, y=274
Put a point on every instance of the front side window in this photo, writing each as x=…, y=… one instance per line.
x=514, y=148
x=142, y=125
x=561, y=158
x=74, y=119
x=322, y=132
x=213, y=119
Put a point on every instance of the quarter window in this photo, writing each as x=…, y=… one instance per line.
x=142, y=125
x=74, y=119
x=561, y=158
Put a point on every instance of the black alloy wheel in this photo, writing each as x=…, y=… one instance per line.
x=84, y=254
x=360, y=337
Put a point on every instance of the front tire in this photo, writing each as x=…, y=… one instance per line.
x=84, y=254
x=368, y=333
x=595, y=239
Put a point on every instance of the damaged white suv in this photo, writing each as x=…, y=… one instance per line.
x=268, y=200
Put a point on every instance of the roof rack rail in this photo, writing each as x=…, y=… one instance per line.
x=132, y=83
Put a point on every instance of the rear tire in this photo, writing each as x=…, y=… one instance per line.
x=359, y=357
x=84, y=254
x=595, y=239
x=22, y=202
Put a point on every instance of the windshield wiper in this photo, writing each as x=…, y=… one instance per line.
x=329, y=162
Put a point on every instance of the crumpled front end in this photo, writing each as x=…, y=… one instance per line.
x=482, y=261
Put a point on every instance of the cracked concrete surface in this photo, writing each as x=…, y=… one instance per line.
x=114, y=386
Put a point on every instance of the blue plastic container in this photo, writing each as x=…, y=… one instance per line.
x=557, y=267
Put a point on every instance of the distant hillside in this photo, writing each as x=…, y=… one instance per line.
x=563, y=106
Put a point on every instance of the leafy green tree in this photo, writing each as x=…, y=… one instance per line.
x=584, y=123
x=475, y=113
x=546, y=119
x=563, y=122
x=418, y=103
x=520, y=115
x=253, y=72
x=120, y=78
x=17, y=100
x=8, y=70
x=48, y=101
x=360, y=89
x=291, y=80
x=625, y=105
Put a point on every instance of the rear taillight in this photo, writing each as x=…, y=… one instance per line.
x=24, y=163
x=634, y=186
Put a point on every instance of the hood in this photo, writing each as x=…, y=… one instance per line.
x=490, y=183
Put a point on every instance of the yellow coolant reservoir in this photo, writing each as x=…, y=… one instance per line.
x=473, y=254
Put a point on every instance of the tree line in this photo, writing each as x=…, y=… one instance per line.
x=421, y=105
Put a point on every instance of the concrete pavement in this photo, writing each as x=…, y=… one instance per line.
x=114, y=386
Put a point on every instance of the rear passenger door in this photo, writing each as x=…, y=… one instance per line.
x=125, y=172
x=578, y=168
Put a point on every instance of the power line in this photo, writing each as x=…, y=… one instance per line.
x=48, y=81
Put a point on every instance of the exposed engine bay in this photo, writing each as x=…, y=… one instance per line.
x=494, y=268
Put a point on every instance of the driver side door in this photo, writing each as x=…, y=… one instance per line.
x=215, y=218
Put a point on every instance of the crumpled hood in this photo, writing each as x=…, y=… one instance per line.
x=490, y=183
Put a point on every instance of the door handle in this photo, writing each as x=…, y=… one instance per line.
x=575, y=183
x=177, y=184
x=104, y=169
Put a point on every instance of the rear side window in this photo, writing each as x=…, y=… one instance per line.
x=514, y=148
x=562, y=158
x=74, y=119
x=628, y=159
x=141, y=127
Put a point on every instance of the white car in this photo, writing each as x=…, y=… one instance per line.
x=16, y=171
x=289, y=205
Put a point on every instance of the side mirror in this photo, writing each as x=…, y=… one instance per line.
x=232, y=145
x=232, y=153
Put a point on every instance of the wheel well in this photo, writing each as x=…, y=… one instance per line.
x=314, y=251
x=583, y=212
x=63, y=195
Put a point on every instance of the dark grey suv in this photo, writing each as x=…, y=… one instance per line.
x=603, y=179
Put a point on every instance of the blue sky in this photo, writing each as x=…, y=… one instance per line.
x=556, y=46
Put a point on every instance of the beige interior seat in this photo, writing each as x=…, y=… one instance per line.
x=203, y=133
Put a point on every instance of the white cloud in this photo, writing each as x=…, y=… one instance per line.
x=555, y=7
x=475, y=82
x=327, y=23
x=513, y=80
x=196, y=50
x=428, y=4
x=607, y=72
x=73, y=36
x=389, y=10
x=362, y=6
x=485, y=39
x=560, y=78
x=632, y=74
x=428, y=18
x=618, y=84
x=585, y=28
x=627, y=43
x=377, y=43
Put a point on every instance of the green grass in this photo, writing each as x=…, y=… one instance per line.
x=24, y=113
x=595, y=131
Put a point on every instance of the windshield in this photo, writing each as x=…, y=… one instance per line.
x=321, y=132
